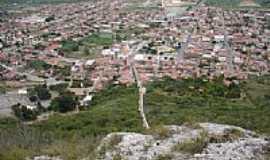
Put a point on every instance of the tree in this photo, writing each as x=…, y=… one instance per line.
x=234, y=91
x=40, y=92
x=50, y=18
x=64, y=103
x=23, y=113
x=43, y=93
x=33, y=98
x=60, y=88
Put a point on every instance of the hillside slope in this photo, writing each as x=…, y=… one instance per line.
x=115, y=109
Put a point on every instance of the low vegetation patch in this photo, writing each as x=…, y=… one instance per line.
x=114, y=141
x=164, y=157
x=109, y=145
x=228, y=136
x=194, y=145
x=159, y=132
x=117, y=157
x=38, y=65
x=197, y=145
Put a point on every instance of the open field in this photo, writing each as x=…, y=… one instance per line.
x=89, y=46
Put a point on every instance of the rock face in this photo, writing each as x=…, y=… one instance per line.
x=205, y=141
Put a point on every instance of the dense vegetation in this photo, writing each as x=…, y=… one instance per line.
x=176, y=102
x=38, y=65
x=64, y=103
x=40, y=92
x=167, y=102
x=23, y=113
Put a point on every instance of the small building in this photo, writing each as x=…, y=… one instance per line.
x=219, y=38
x=31, y=107
x=22, y=91
x=86, y=100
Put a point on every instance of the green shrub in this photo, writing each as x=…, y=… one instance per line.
x=60, y=88
x=3, y=90
x=228, y=136
x=40, y=91
x=23, y=113
x=114, y=141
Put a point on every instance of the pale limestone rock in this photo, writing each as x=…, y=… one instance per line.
x=135, y=146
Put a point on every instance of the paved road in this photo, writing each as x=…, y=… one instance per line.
x=181, y=51
x=228, y=47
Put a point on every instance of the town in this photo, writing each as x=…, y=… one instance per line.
x=134, y=79
x=90, y=45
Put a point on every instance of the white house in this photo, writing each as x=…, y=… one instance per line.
x=22, y=91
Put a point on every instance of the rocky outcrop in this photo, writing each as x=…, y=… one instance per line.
x=204, y=141
x=44, y=157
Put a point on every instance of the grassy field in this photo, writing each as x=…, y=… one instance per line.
x=88, y=47
x=115, y=109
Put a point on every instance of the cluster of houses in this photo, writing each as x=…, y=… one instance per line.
x=208, y=42
x=204, y=41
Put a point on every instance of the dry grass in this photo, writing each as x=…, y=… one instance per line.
x=164, y=157
x=159, y=132
x=194, y=145
x=108, y=146
x=192, y=125
x=229, y=135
